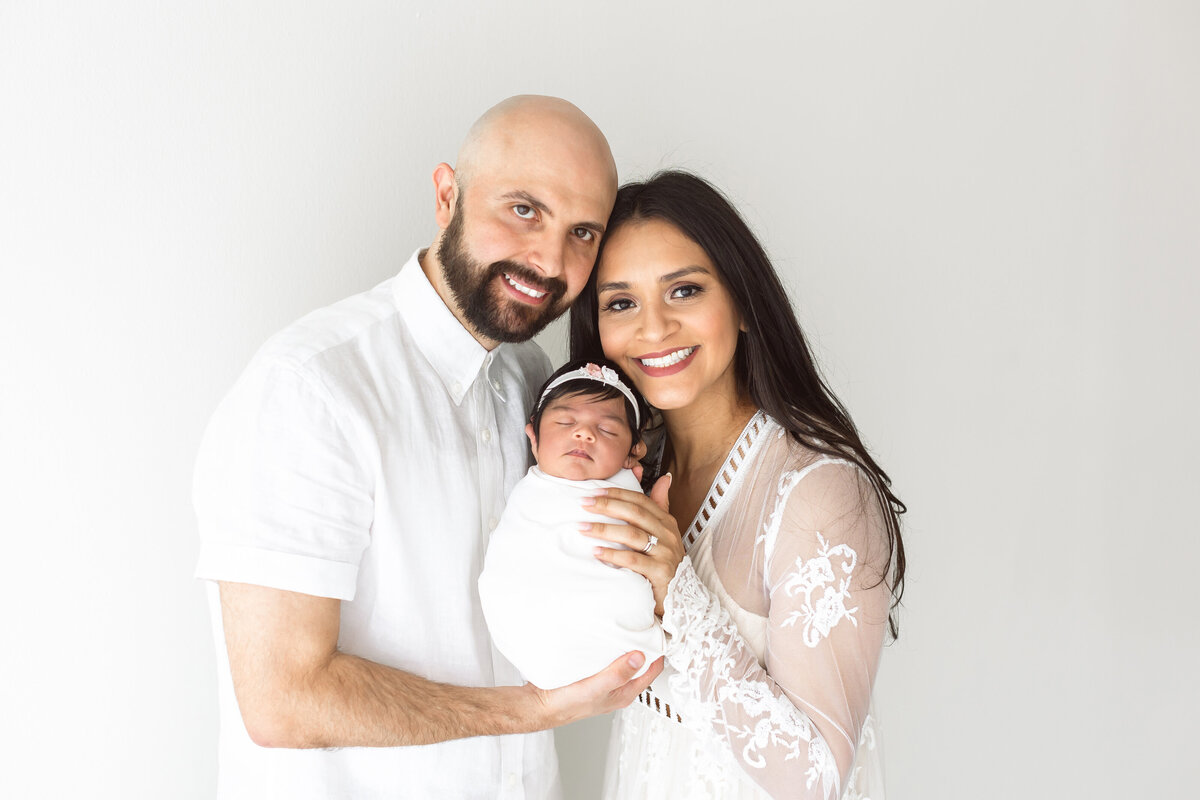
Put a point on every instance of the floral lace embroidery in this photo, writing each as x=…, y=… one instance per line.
x=702, y=646
x=830, y=607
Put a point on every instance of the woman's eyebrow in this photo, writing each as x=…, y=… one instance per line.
x=619, y=286
x=612, y=286
x=679, y=273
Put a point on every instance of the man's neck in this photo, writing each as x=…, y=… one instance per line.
x=432, y=268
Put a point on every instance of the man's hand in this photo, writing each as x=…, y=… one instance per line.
x=612, y=688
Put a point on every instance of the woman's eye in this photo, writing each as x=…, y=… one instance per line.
x=619, y=304
x=684, y=292
x=524, y=212
x=584, y=234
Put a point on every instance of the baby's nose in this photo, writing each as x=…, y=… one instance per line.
x=583, y=432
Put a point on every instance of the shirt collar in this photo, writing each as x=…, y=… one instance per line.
x=446, y=344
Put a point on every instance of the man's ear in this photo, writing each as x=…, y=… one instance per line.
x=532, y=434
x=445, y=194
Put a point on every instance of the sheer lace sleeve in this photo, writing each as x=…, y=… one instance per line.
x=819, y=550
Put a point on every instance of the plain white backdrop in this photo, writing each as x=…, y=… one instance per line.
x=988, y=215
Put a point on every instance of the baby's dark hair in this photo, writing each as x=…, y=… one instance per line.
x=592, y=389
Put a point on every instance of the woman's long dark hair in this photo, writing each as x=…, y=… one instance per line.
x=773, y=363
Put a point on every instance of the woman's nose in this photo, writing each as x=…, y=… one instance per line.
x=656, y=323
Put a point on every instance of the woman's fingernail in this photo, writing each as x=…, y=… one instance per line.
x=588, y=501
x=585, y=526
x=636, y=660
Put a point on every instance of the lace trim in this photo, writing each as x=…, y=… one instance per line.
x=655, y=703
x=741, y=450
x=702, y=649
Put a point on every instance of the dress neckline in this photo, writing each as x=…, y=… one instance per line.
x=726, y=476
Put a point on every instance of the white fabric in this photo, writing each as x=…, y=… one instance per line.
x=554, y=611
x=365, y=454
x=775, y=622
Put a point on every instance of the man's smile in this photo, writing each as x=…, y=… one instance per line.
x=530, y=295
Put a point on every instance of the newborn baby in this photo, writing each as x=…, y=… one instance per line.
x=554, y=611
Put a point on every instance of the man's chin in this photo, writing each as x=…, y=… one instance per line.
x=509, y=320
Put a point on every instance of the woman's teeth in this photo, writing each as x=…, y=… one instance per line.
x=670, y=359
x=524, y=289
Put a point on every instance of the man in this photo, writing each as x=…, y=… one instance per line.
x=346, y=487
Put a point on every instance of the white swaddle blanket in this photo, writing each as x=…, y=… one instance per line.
x=554, y=611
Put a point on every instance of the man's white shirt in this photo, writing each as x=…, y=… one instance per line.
x=365, y=454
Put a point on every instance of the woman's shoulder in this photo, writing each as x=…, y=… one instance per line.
x=787, y=453
x=801, y=470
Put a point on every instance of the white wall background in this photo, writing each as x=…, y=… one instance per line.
x=989, y=215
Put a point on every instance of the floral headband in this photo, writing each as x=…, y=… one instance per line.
x=595, y=372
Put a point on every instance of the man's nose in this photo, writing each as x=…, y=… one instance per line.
x=547, y=254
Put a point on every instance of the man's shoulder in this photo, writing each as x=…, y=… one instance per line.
x=347, y=329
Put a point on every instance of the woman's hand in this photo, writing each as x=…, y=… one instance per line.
x=646, y=517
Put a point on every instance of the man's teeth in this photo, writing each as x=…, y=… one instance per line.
x=524, y=289
x=670, y=359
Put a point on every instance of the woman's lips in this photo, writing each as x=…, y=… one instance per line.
x=666, y=362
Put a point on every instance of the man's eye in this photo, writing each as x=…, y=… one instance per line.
x=524, y=212
x=584, y=234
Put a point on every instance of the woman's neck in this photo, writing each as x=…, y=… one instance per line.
x=702, y=433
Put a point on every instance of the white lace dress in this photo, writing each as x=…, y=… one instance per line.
x=775, y=622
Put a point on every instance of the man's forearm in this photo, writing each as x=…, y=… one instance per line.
x=353, y=702
x=295, y=689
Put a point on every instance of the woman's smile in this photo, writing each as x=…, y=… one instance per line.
x=666, y=362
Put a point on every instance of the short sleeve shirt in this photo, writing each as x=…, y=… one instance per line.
x=365, y=454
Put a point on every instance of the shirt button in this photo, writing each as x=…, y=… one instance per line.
x=456, y=388
x=511, y=780
x=486, y=435
x=496, y=385
x=492, y=523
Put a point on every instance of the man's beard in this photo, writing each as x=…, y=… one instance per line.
x=503, y=318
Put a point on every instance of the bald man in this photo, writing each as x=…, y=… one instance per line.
x=347, y=484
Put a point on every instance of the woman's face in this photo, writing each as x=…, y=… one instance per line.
x=665, y=316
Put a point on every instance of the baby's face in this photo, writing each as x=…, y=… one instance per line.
x=582, y=438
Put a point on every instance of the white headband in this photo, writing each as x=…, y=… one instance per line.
x=595, y=372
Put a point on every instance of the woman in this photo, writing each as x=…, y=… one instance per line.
x=779, y=591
